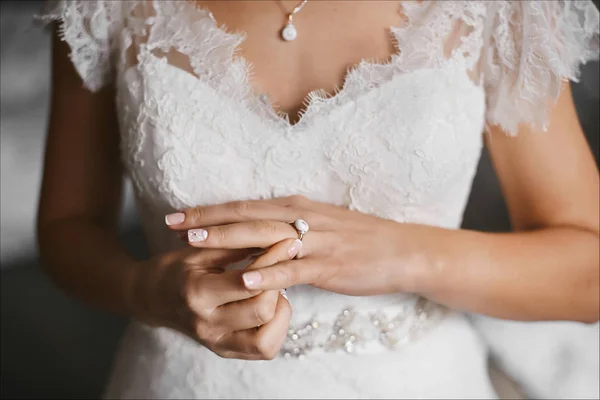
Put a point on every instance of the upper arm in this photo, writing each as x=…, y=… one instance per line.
x=548, y=178
x=82, y=170
x=546, y=170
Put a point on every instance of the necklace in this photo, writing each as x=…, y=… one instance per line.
x=289, y=33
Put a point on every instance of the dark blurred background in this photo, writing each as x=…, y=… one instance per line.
x=54, y=347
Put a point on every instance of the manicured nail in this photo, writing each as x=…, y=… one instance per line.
x=295, y=248
x=197, y=235
x=252, y=279
x=283, y=292
x=174, y=219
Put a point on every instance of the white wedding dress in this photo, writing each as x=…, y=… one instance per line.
x=400, y=140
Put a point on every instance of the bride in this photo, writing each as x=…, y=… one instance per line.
x=326, y=148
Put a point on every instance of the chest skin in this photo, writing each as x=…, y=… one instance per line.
x=333, y=36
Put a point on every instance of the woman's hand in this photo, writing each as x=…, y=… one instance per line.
x=345, y=251
x=189, y=290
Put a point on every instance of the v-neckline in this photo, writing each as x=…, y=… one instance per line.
x=313, y=97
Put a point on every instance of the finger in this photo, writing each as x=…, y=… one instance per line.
x=246, y=314
x=259, y=233
x=237, y=355
x=264, y=342
x=329, y=215
x=227, y=213
x=313, y=211
x=303, y=203
x=260, y=309
x=282, y=275
x=285, y=250
x=213, y=290
x=209, y=291
x=217, y=258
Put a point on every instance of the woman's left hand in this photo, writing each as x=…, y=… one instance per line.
x=344, y=251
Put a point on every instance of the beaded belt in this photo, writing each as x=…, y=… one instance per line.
x=361, y=331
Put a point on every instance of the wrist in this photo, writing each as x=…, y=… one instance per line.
x=417, y=274
x=134, y=288
x=421, y=265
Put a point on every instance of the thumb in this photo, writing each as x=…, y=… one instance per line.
x=216, y=258
x=281, y=251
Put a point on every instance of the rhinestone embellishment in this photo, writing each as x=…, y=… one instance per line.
x=352, y=331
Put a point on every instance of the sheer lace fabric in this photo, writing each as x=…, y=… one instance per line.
x=532, y=48
x=400, y=140
x=526, y=48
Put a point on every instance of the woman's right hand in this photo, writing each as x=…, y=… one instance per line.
x=189, y=290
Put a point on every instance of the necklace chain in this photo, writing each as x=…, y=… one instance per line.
x=296, y=10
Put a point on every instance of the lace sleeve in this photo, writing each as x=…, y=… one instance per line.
x=531, y=48
x=88, y=27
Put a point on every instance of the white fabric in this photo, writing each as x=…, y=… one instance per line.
x=400, y=140
x=549, y=359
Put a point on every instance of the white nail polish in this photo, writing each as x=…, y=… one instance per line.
x=174, y=219
x=197, y=235
x=295, y=248
x=252, y=279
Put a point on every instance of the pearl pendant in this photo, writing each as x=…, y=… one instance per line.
x=289, y=33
